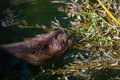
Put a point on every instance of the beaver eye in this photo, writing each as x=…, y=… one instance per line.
x=46, y=46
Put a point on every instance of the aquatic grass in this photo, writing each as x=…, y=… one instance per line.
x=97, y=36
x=108, y=12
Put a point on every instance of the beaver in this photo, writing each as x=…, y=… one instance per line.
x=39, y=49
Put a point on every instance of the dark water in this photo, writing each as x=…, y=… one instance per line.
x=26, y=13
x=33, y=12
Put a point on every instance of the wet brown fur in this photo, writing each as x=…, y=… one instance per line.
x=40, y=48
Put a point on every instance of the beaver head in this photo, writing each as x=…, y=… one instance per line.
x=41, y=48
x=55, y=42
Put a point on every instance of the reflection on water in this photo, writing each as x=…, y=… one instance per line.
x=32, y=12
x=38, y=12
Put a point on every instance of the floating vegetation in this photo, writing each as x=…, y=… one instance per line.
x=96, y=26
